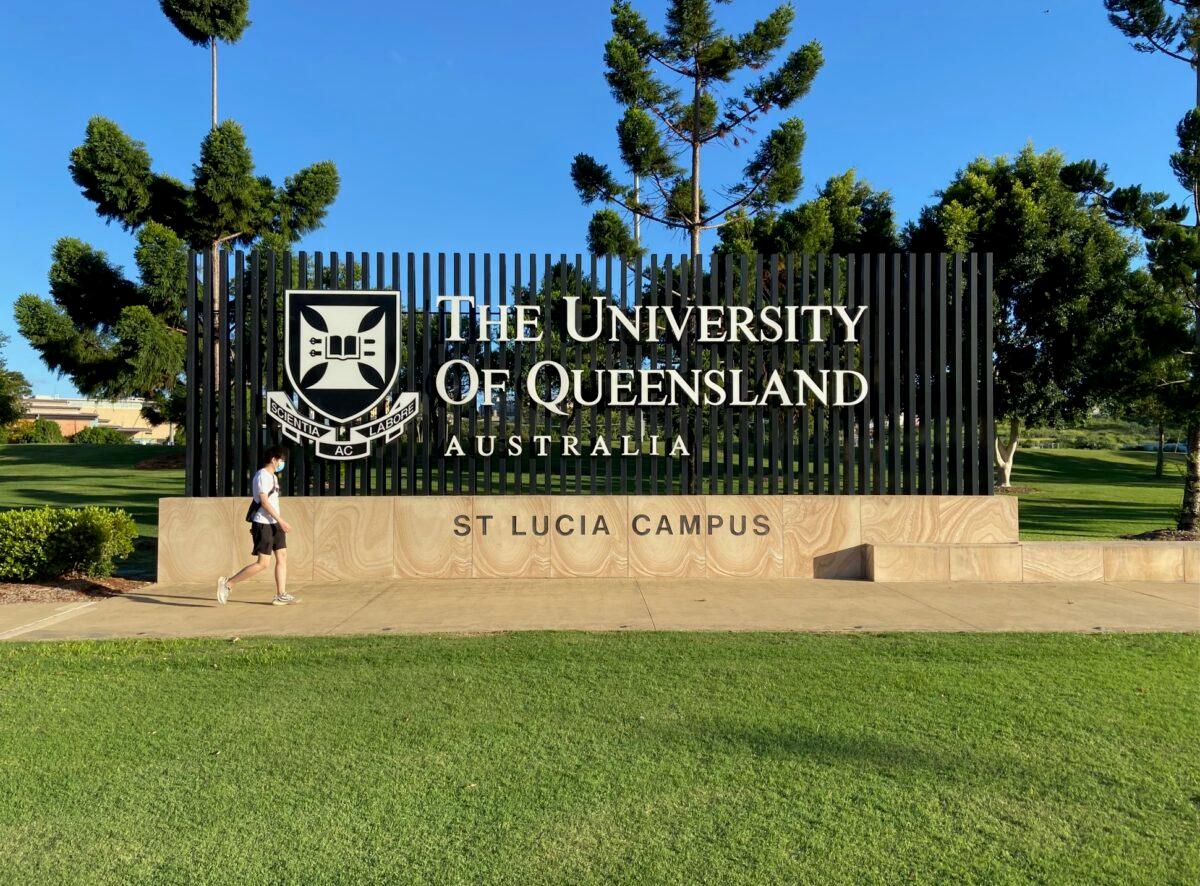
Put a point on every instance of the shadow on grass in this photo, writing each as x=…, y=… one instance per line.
x=897, y=760
x=1104, y=468
x=1073, y=516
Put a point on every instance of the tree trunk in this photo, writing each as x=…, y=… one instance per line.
x=1162, y=442
x=212, y=47
x=637, y=217
x=215, y=292
x=1190, y=511
x=1007, y=453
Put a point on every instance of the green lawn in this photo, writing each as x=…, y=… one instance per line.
x=600, y=758
x=1084, y=493
x=68, y=475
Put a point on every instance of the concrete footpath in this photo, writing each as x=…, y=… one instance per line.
x=611, y=605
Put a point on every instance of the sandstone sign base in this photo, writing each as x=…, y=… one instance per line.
x=892, y=538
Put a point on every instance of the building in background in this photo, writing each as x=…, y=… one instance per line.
x=73, y=414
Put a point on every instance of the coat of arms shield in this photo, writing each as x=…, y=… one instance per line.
x=341, y=356
x=341, y=349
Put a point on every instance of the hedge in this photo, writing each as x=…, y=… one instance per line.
x=40, y=431
x=102, y=436
x=60, y=542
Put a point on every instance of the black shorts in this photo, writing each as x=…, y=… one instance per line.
x=268, y=538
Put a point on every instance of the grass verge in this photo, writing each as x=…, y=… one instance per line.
x=593, y=758
x=1084, y=493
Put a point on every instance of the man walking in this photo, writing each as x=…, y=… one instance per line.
x=267, y=529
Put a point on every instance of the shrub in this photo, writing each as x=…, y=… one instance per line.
x=101, y=437
x=57, y=542
x=40, y=431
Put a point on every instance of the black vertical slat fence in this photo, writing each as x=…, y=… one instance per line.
x=923, y=344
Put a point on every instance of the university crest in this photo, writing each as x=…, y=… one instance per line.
x=342, y=358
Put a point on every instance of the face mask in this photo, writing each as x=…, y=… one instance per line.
x=279, y=467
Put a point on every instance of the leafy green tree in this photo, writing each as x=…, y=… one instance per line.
x=847, y=216
x=1061, y=282
x=14, y=387
x=115, y=337
x=1172, y=243
x=663, y=123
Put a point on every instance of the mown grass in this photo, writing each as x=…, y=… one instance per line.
x=1084, y=493
x=72, y=476
x=601, y=758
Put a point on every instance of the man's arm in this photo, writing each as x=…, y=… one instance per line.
x=264, y=502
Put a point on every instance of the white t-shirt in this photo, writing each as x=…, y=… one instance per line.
x=264, y=481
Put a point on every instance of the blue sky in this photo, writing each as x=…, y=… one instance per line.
x=453, y=124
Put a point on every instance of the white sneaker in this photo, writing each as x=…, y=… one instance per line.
x=223, y=590
x=284, y=600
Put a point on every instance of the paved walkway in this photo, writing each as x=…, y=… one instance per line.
x=709, y=605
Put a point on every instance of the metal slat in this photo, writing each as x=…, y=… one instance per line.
x=894, y=435
x=879, y=399
x=592, y=410
x=668, y=298
x=255, y=383
x=623, y=361
x=757, y=362
x=834, y=348
x=989, y=413
x=410, y=457
x=806, y=365
x=223, y=424
x=943, y=484
x=849, y=356
x=521, y=457
x=393, y=484
x=609, y=423
x=427, y=391
x=819, y=423
x=210, y=357
x=973, y=483
x=192, y=430
x=697, y=443
x=910, y=376
x=927, y=482
x=481, y=352
x=441, y=412
x=502, y=361
x=679, y=347
x=351, y=468
x=864, y=349
x=956, y=420
x=302, y=476
x=578, y=413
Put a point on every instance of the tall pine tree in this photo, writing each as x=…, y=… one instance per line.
x=115, y=337
x=665, y=125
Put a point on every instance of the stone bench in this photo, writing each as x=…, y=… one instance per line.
x=1035, y=561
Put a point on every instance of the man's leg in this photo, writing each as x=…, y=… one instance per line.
x=250, y=571
x=281, y=572
x=225, y=585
